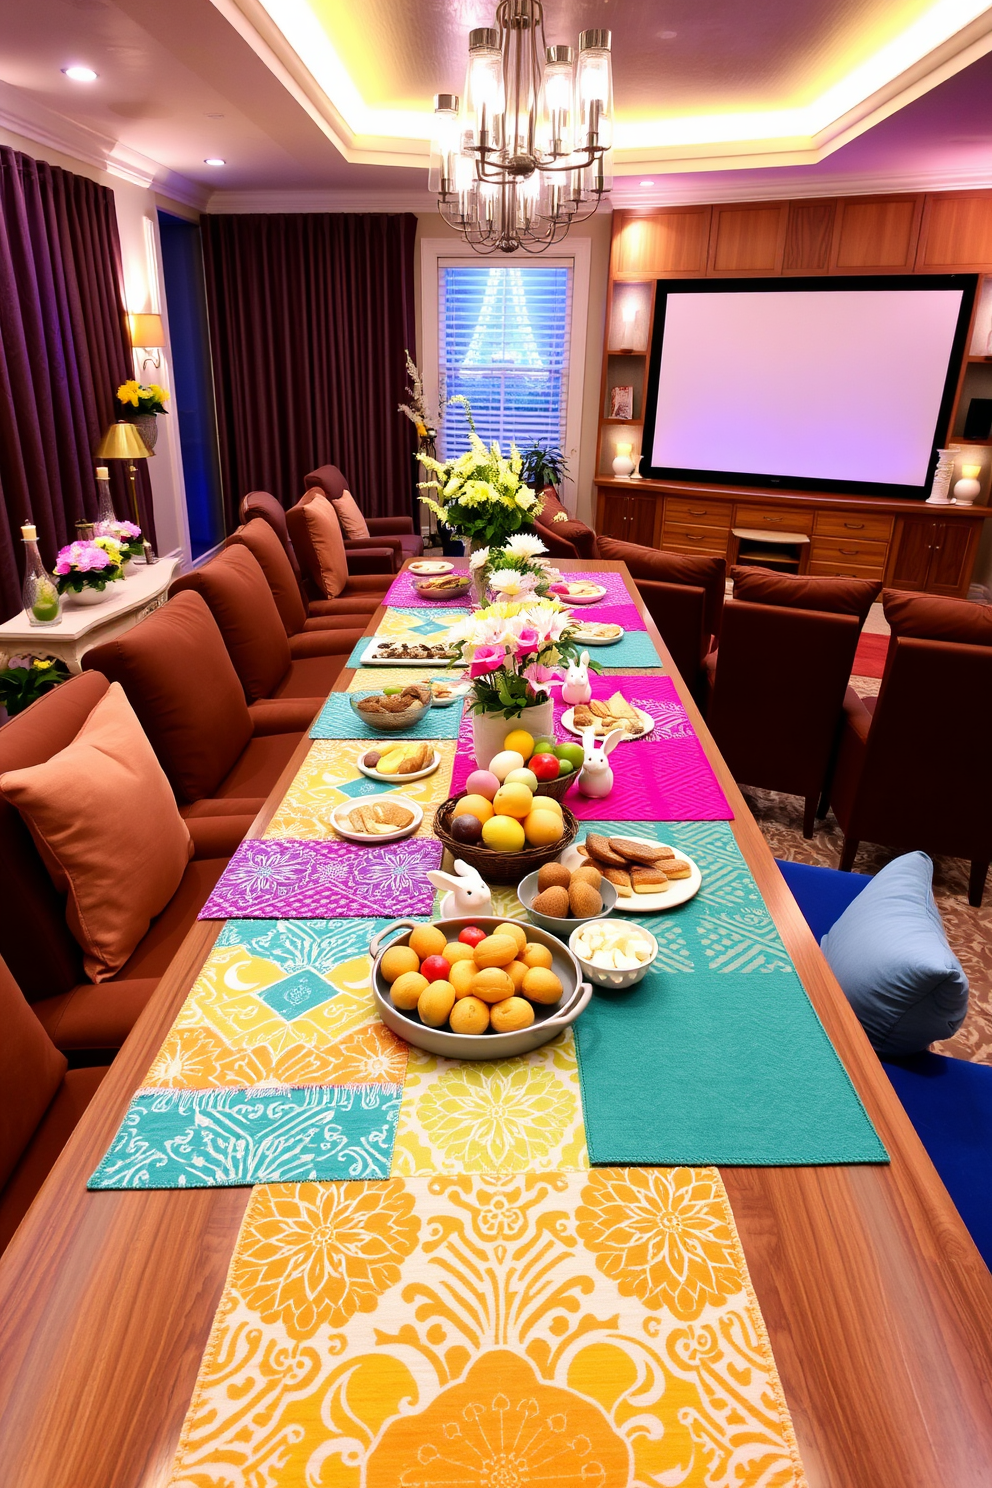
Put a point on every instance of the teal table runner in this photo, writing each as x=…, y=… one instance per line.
x=717, y=1056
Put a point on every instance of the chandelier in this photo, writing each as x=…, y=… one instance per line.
x=526, y=151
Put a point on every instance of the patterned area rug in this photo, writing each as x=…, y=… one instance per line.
x=969, y=930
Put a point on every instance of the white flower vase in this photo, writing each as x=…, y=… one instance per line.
x=87, y=596
x=490, y=729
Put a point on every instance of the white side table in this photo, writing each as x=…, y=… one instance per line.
x=79, y=630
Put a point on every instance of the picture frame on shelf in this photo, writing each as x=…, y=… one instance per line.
x=622, y=402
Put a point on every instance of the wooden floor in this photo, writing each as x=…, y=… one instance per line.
x=878, y=1306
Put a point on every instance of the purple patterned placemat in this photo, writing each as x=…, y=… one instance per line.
x=401, y=592
x=325, y=880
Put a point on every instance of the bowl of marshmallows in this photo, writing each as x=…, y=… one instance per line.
x=613, y=954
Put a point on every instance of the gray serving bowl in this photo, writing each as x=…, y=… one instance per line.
x=527, y=893
x=548, y=1021
x=387, y=723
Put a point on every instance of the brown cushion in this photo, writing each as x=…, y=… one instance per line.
x=43, y=957
x=928, y=617
x=31, y=1070
x=265, y=506
x=261, y=541
x=105, y=822
x=241, y=602
x=260, y=765
x=335, y=635
x=800, y=592
x=89, y=1017
x=74, y=1095
x=312, y=677
x=180, y=681
x=328, y=543
x=329, y=479
x=353, y=524
x=673, y=568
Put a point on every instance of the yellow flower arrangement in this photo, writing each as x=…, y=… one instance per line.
x=144, y=398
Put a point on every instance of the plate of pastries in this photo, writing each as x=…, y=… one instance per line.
x=381, y=652
x=596, y=633
x=604, y=716
x=647, y=875
x=397, y=763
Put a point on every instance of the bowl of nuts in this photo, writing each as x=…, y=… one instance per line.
x=393, y=709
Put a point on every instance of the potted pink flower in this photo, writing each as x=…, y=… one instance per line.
x=83, y=569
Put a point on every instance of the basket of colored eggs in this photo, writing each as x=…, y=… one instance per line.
x=477, y=988
x=554, y=766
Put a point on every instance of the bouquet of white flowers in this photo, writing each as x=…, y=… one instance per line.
x=514, y=652
x=517, y=571
x=481, y=495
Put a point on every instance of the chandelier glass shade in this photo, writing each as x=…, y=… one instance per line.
x=526, y=150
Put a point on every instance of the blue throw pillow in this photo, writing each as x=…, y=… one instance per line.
x=889, y=952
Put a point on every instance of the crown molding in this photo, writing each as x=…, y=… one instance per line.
x=695, y=190
x=38, y=124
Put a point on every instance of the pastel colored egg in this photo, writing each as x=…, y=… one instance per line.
x=504, y=762
x=482, y=783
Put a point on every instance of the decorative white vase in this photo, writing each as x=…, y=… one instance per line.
x=623, y=467
x=85, y=597
x=942, y=478
x=490, y=729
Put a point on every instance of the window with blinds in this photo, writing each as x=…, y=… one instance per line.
x=503, y=344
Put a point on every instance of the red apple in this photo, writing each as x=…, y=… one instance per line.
x=435, y=968
x=544, y=766
x=471, y=936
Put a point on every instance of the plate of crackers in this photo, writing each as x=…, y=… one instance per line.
x=647, y=875
x=616, y=712
x=398, y=763
x=596, y=633
x=431, y=566
x=580, y=591
x=385, y=819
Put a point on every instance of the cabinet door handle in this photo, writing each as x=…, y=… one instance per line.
x=855, y=526
x=850, y=552
x=697, y=513
x=693, y=537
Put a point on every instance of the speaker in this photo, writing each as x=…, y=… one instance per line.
x=978, y=421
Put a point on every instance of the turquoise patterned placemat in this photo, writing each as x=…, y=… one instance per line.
x=717, y=1056
x=337, y=719
x=236, y=1138
x=635, y=649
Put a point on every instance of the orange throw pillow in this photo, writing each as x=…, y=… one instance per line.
x=105, y=822
x=328, y=544
x=353, y=524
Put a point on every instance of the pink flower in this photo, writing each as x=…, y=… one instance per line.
x=540, y=676
x=486, y=659
x=528, y=641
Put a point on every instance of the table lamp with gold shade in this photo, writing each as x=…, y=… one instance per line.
x=123, y=442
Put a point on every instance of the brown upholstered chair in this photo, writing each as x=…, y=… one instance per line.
x=35, y=940
x=563, y=535
x=395, y=532
x=40, y=1102
x=263, y=544
x=669, y=583
x=265, y=658
x=324, y=561
x=360, y=599
x=778, y=694
x=899, y=780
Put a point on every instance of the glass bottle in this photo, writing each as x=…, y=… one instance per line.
x=106, y=513
x=41, y=596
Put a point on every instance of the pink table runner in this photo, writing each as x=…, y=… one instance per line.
x=626, y=615
x=268, y=879
x=402, y=594
x=663, y=777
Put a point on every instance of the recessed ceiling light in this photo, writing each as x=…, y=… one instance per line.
x=647, y=183
x=80, y=74
x=214, y=160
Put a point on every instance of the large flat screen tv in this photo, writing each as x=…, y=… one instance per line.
x=839, y=384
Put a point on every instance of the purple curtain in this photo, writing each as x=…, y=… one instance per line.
x=310, y=314
x=64, y=350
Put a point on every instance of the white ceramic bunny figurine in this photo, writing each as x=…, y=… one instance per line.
x=576, y=687
x=596, y=776
x=468, y=892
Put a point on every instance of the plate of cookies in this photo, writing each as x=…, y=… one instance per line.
x=647, y=875
x=398, y=763
x=605, y=716
x=385, y=819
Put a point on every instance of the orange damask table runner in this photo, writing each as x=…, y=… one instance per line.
x=588, y=1329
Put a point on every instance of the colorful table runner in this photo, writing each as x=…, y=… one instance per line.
x=337, y=719
x=635, y=649
x=402, y=594
x=318, y=880
x=368, y=679
x=617, y=592
x=591, y=1329
x=627, y=615
x=330, y=775
x=718, y=1052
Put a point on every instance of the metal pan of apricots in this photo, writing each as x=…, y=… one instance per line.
x=479, y=988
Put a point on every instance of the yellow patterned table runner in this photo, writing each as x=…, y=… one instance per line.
x=556, y=1330
x=330, y=775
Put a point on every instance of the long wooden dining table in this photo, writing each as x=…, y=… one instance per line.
x=877, y=1304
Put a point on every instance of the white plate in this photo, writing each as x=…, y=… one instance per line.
x=569, y=713
x=373, y=774
x=679, y=891
x=376, y=838
x=371, y=656
x=585, y=639
x=459, y=691
x=583, y=599
x=431, y=566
